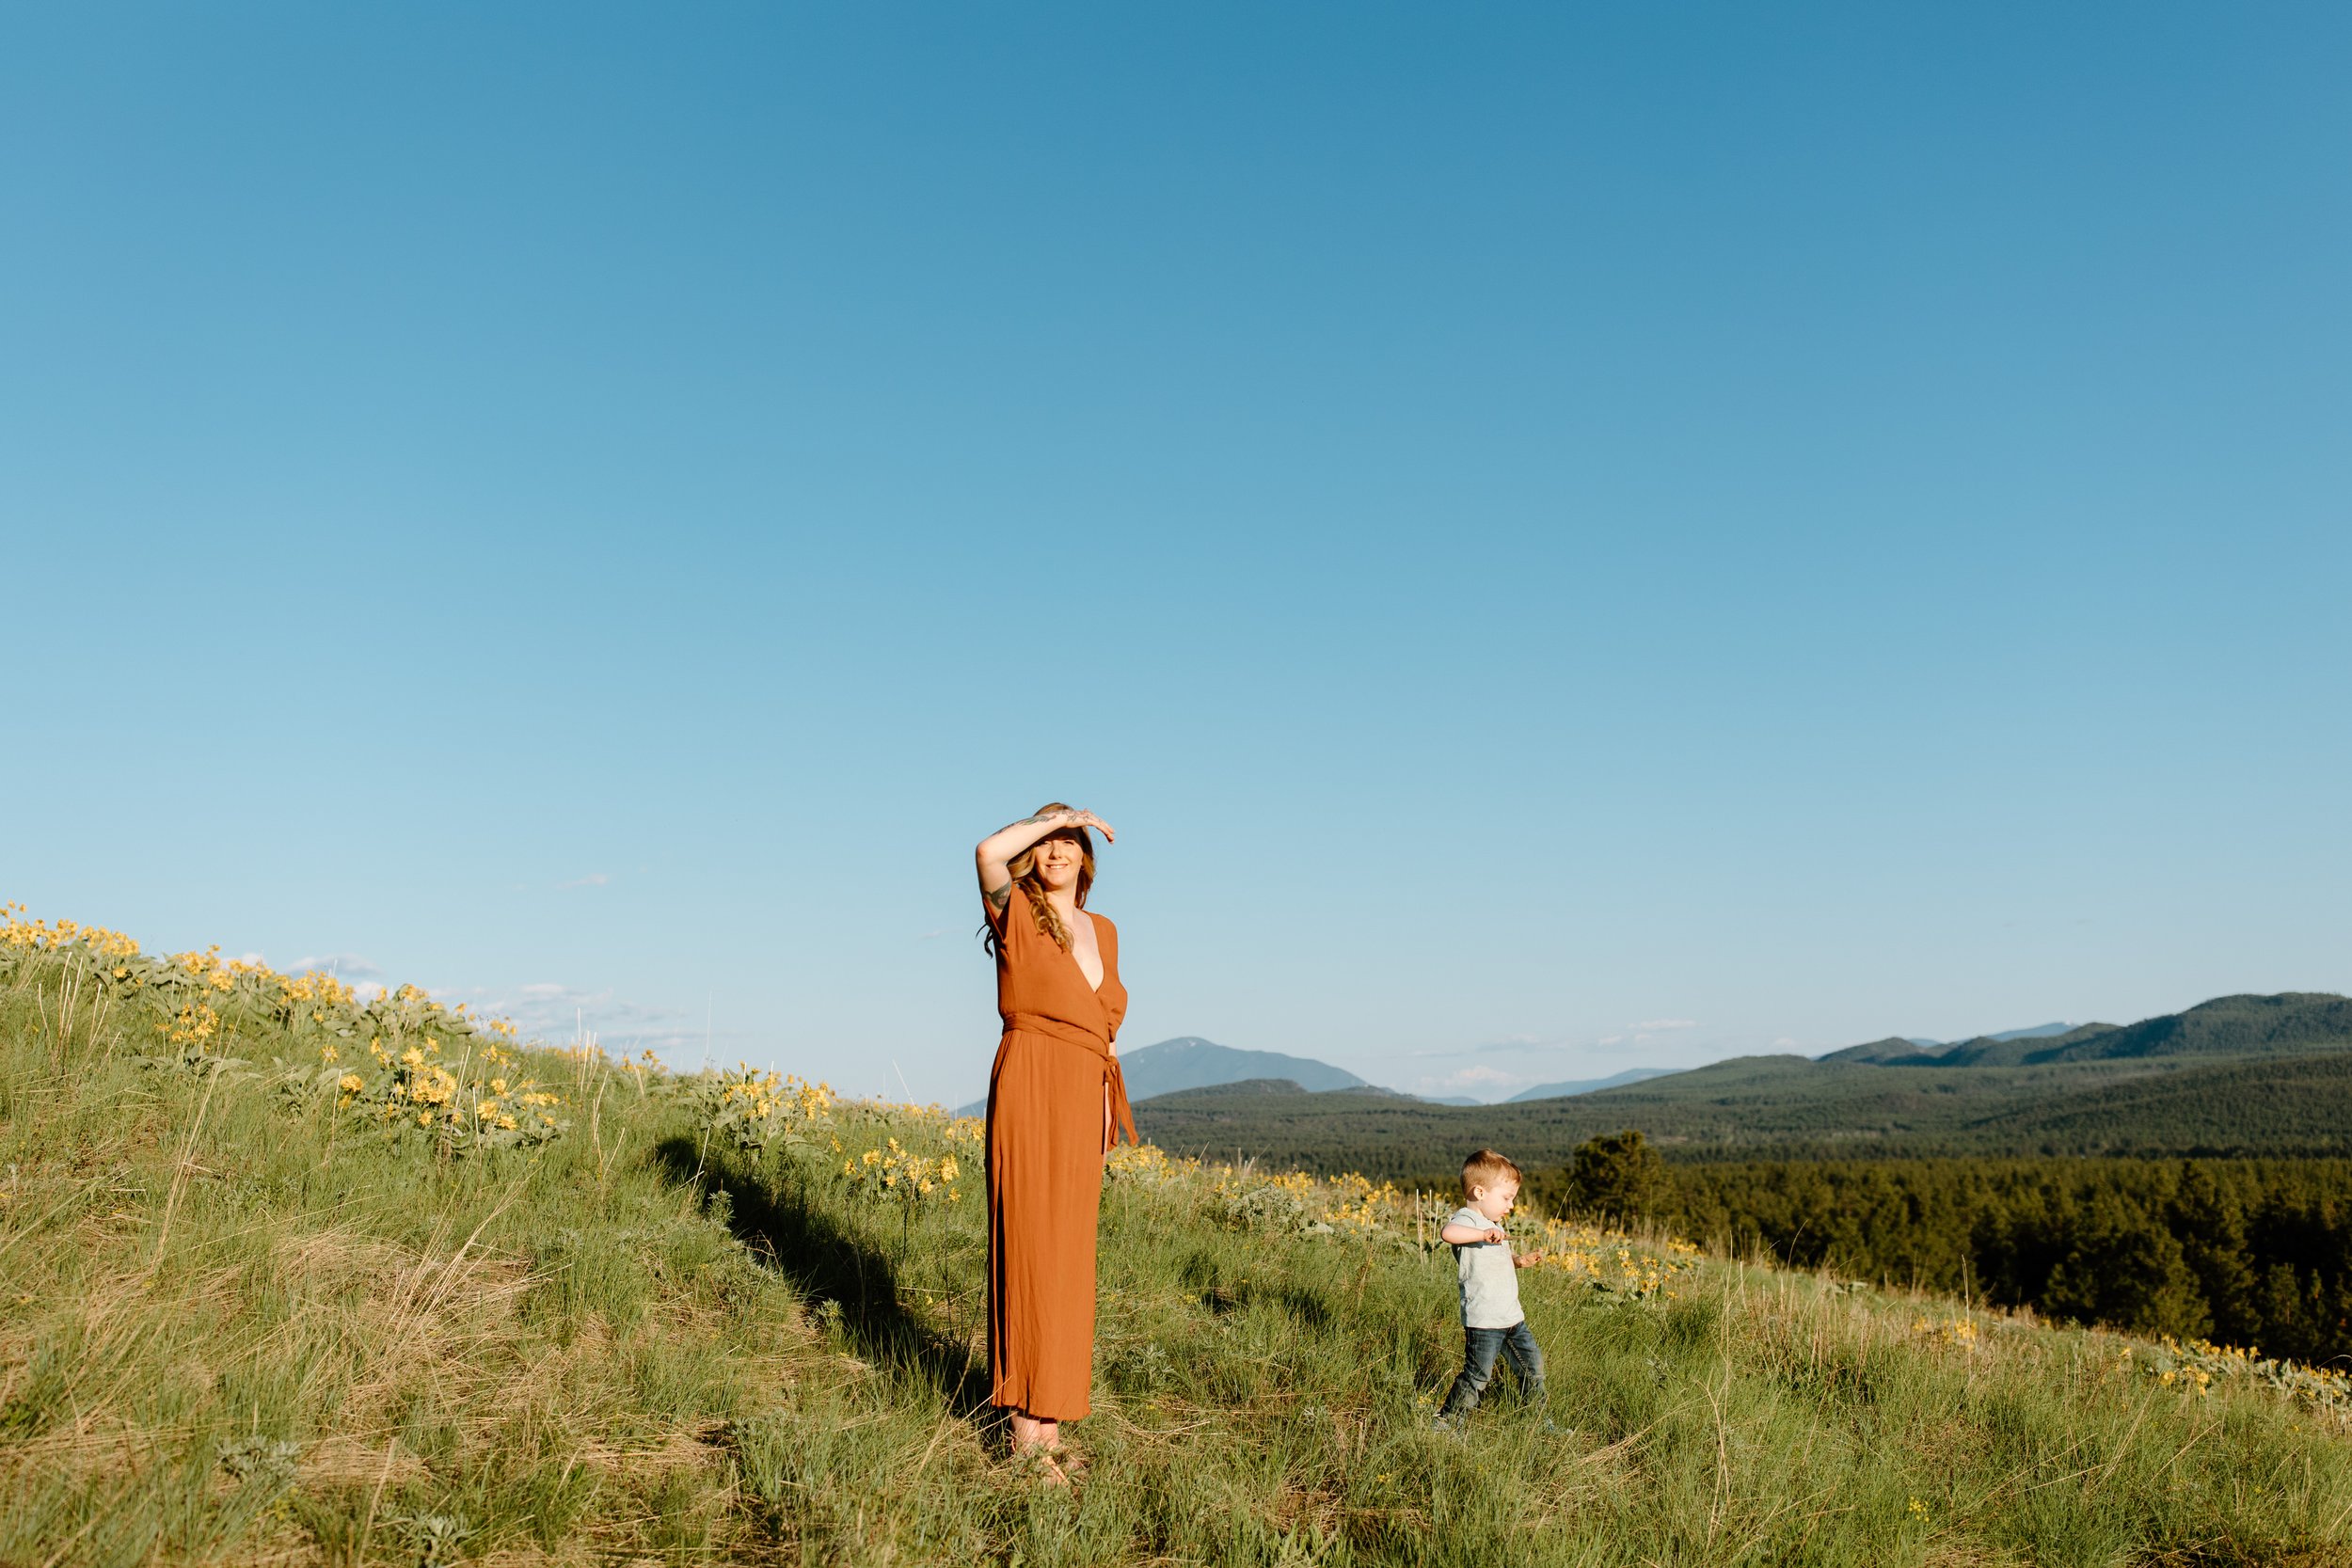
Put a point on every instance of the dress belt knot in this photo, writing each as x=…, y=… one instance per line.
x=1122, y=1115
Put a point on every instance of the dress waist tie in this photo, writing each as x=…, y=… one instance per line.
x=1122, y=1115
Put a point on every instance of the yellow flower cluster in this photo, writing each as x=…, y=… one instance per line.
x=1611, y=1261
x=1150, y=1166
x=1294, y=1200
x=1352, y=1203
x=2196, y=1364
x=898, y=1172
x=202, y=1002
x=765, y=1095
x=1948, y=1332
x=195, y=1024
x=315, y=990
x=925, y=1152
x=46, y=936
x=469, y=1106
x=426, y=1082
x=184, y=984
x=755, y=1110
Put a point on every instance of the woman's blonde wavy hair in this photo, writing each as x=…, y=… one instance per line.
x=1024, y=877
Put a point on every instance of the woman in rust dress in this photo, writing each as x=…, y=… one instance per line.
x=1056, y=1103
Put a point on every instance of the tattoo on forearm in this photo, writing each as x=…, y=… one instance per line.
x=1069, y=814
x=998, y=896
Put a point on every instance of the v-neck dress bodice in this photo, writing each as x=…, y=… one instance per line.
x=1055, y=1083
x=1035, y=978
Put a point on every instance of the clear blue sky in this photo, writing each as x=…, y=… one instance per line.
x=1563, y=537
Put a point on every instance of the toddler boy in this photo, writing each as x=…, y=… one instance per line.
x=1492, y=1322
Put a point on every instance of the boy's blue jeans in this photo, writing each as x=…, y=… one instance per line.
x=1482, y=1346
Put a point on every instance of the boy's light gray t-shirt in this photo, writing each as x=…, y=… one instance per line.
x=1490, y=1284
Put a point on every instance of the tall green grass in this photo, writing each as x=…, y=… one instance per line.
x=236, y=1326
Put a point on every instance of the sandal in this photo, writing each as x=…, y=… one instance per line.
x=1045, y=1461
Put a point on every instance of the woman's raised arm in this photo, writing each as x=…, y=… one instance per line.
x=989, y=859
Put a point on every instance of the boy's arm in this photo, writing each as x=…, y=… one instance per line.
x=1463, y=1235
x=1526, y=1260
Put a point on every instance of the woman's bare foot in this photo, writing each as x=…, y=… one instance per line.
x=1030, y=1433
x=1041, y=1442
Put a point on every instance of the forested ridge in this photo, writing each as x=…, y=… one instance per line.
x=2247, y=1252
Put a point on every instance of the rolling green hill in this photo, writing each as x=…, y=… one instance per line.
x=292, y=1278
x=2227, y=1025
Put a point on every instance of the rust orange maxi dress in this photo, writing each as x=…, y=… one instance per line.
x=1046, y=1141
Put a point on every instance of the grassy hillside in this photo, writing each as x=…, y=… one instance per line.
x=296, y=1278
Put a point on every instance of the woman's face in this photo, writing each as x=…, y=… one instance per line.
x=1059, y=860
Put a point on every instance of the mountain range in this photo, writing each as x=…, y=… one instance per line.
x=1584, y=1085
x=1189, y=1062
x=2268, y=1075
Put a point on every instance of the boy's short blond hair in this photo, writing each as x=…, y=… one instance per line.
x=1484, y=1168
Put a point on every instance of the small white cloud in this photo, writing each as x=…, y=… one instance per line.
x=1784, y=1040
x=1668, y=1024
x=1611, y=1039
x=593, y=879
x=1502, y=1046
x=556, y=1013
x=1479, y=1077
x=348, y=966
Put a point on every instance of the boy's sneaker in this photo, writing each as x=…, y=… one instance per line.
x=1442, y=1422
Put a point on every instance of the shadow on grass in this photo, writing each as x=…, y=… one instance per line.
x=843, y=1273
